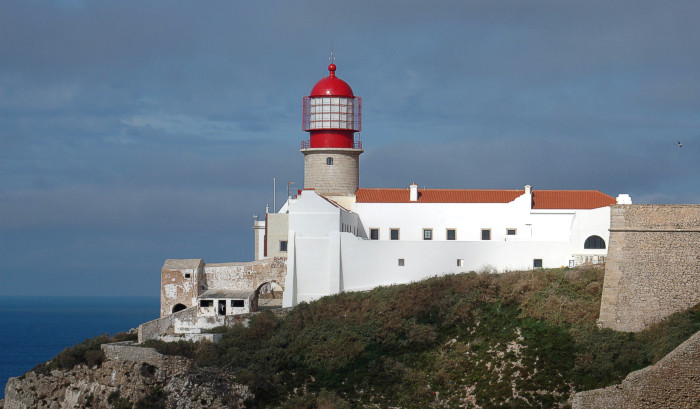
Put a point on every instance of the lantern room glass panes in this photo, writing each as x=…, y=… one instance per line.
x=331, y=113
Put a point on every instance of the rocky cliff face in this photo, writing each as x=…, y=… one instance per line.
x=128, y=376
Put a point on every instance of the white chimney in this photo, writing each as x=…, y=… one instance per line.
x=414, y=192
x=624, y=198
x=528, y=189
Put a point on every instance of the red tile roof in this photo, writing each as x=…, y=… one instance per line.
x=542, y=199
x=437, y=196
x=570, y=199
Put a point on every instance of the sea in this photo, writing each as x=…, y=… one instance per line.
x=34, y=329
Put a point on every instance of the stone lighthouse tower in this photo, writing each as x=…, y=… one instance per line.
x=332, y=115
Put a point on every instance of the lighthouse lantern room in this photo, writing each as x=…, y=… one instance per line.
x=332, y=115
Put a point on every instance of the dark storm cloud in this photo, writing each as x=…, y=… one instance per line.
x=135, y=131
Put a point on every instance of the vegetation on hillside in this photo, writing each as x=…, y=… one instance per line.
x=88, y=352
x=519, y=339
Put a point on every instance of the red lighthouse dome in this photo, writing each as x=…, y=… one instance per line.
x=332, y=113
x=331, y=85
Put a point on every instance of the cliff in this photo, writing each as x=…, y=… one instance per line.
x=128, y=377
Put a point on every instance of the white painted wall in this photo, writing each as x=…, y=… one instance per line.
x=324, y=260
x=467, y=218
x=213, y=310
x=259, y=233
x=367, y=264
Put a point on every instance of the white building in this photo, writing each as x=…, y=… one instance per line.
x=335, y=236
x=383, y=237
x=340, y=237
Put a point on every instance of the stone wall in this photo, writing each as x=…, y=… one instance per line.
x=165, y=325
x=674, y=382
x=245, y=276
x=125, y=351
x=180, y=324
x=340, y=178
x=653, y=265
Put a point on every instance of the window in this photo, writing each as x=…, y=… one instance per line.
x=394, y=234
x=374, y=234
x=594, y=242
x=206, y=303
x=401, y=262
x=187, y=275
x=537, y=263
x=460, y=262
x=511, y=232
x=451, y=234
x=427, y=234
x=237, y=303
x=485, y=234
x=283, y=245
x=329, y=161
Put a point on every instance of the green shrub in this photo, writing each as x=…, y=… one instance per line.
x=186, y=349
x=125, y=336
x=88, y=352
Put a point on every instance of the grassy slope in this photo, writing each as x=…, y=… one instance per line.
x=522, y=339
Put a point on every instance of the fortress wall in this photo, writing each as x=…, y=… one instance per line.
x=126, y=351
x=653, y=264
x=671, y=383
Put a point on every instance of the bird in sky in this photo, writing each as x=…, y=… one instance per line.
x=680, y=145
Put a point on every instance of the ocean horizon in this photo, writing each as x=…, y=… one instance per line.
x=36, y=328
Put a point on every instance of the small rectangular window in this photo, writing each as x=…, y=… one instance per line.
x=451, y=234
x=485, y=234
x=537, y=263
x=206, y=303
x=394, y=234
x=374, y=234
x=427, y=234
x=511, y=232
x=329, y=161
x=187, y=275
x=460, y=262
x=283, y=245
x=238, y=303
x=401, y=262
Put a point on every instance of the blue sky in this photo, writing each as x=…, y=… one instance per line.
x=136, y=131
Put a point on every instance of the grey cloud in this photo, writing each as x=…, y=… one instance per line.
x=132, y=132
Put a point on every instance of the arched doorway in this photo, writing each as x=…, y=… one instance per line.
x=267, y=296
x=179, y=307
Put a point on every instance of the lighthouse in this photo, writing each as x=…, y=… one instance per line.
x=332, y=115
